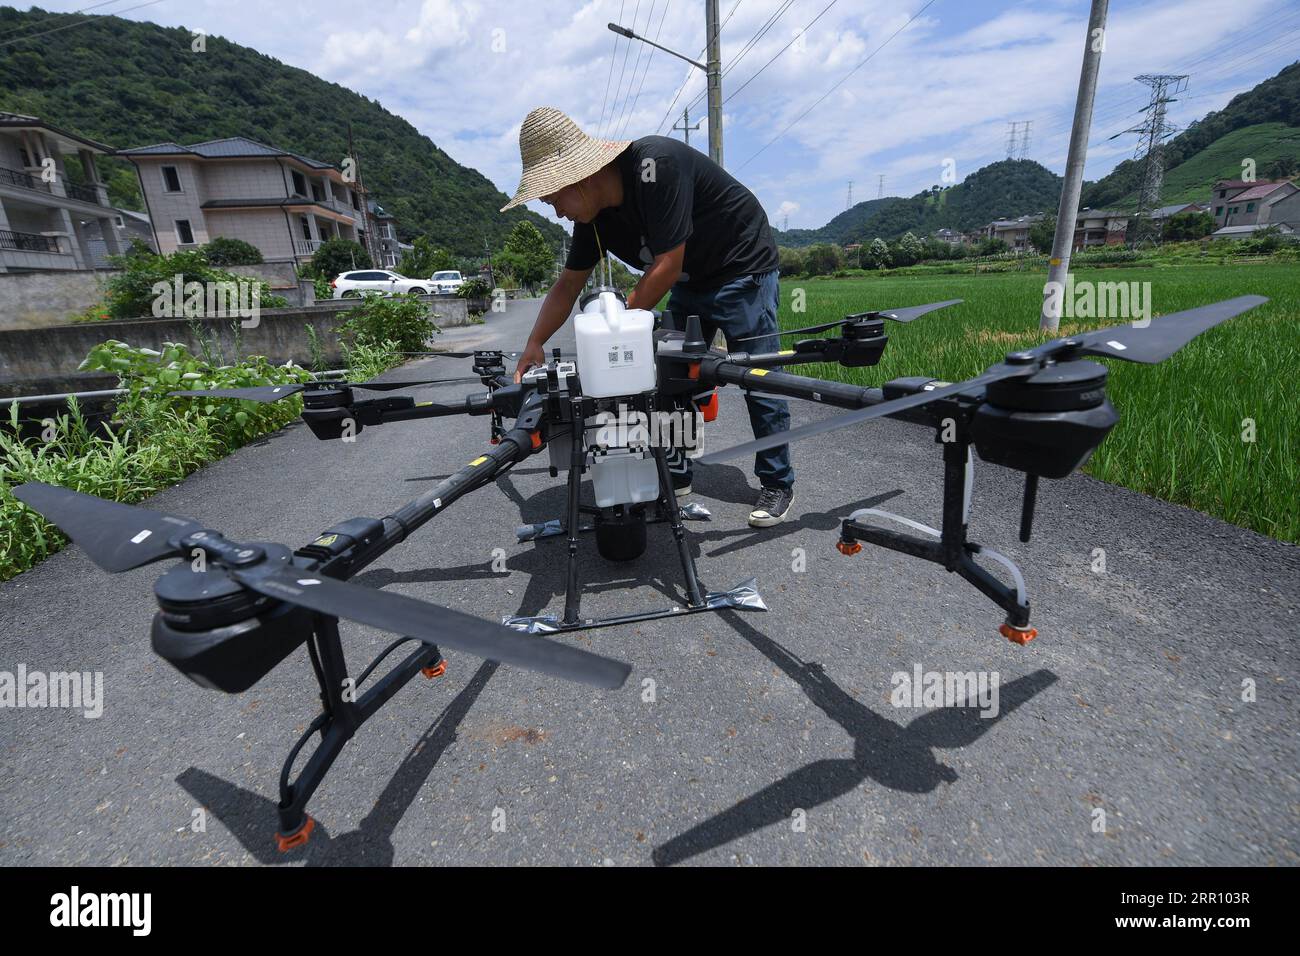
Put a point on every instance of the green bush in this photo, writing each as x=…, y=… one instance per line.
x=133, y=292
x=792, y=261
x=222, y=251
x=338, y=255
x=823, y=259
x=475, y=288
x=401, y=320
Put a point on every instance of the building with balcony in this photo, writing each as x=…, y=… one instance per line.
x=283, y=203
x=42, y=207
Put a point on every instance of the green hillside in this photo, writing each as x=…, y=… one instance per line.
x=849, y=226
x=132, y=84
x=1008, y=188
x=1267, y=119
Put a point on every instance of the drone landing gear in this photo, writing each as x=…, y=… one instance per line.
x=344, y=713
x=952, y=549
x=621, y=536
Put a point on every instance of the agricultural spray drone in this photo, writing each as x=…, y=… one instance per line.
x=230, y=612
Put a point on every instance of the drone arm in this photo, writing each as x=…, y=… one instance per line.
x=793, y=386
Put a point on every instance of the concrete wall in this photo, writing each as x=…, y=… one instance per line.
x=34, y=357
x=32, y=299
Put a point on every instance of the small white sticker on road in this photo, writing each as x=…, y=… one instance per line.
x=141, y=536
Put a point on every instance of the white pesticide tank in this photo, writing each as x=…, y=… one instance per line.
x=615, y=347
x=624, y=476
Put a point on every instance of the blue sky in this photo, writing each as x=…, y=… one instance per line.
x=466, y=73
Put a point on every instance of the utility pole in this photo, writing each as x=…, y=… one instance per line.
x=1059, y=263
x=686, y=126
x=714, y=61
x=712, y=69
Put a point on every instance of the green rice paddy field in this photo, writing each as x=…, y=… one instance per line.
x=1180, y=435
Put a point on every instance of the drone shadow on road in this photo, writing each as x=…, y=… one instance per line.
x=895, y=756
x=252, y=818
x=542, y=562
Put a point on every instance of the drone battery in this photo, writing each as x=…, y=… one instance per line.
x=330, y=423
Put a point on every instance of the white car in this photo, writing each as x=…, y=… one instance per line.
x=447, y=282
x=353, y=285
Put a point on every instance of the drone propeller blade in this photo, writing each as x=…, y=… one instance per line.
x=898, y=315
x=443, y=626
x=1162, y=336
x=916, y=311
x=996, y=373
x=257, y=393
x=394, y=386
x=115, y=536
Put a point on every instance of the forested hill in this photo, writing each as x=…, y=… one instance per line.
x=133, y=84
x=1011, y=187
x=1266, y=121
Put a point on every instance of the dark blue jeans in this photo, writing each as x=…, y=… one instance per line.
x=741, y=308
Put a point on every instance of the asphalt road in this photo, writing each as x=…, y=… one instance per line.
x=740, y=737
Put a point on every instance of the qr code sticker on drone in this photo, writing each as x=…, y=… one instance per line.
x=620, y=356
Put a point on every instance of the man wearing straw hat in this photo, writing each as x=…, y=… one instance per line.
x=694, y=231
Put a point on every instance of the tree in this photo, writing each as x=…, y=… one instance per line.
x=338, y=255
x=1283, y=167
x=1042, y=233
x=222, y=251
x=530, y=255
x=424, y=259
x=792, y=261
x=876, y=255
x=824, y=259
x=907, y=251
x=1188, y=225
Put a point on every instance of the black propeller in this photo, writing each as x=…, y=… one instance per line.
x=273, y=393
x=1153, y=342
x=120, y=537
x=898, y=315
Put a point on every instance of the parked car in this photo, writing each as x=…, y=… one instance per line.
x=352, y=285
x=447, y=282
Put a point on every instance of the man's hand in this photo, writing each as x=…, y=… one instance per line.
x=533, y=356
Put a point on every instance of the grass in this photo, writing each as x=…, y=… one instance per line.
x=1180, y=435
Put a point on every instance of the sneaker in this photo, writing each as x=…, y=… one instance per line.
x=681, y=485
x=772, y=506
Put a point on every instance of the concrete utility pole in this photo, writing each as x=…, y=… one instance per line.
x=1067, y=213
x=686, y=126
x=714, y=60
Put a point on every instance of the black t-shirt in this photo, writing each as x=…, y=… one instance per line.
x=674, y=194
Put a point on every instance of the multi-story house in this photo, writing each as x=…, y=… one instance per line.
x=1263, y=204
x=1099, y=227
x=283, y=203
x=388, y=249
x=41, y=208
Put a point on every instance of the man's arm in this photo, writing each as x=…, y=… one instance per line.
x=554, y=313
x=658, y=279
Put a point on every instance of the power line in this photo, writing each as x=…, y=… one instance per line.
x=797, y=36
x=622, y=71
x=613, y=56
x=640, y=51
x=69, y=26
x=70, y=13
x=752, y=42
x=690, y=70
x=837, y=85
x=646, y=72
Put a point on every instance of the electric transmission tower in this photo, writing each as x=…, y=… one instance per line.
x=880, y=187
x=1011, y=139
x=1153, y=132
x=1024, y=140
x=848, y=203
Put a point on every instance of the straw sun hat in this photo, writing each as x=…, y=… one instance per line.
x=556, y=153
